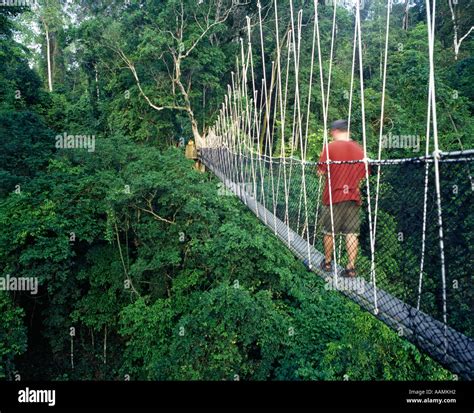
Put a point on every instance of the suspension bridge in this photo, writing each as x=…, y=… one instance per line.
x=414, y=263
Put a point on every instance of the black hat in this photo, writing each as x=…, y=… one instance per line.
x=340, y=124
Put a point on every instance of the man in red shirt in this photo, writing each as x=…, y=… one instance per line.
x=341, y=190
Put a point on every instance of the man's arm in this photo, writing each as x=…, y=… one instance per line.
x=322, y=166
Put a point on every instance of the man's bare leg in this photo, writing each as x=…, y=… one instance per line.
x=328, y=247
x=352, y=246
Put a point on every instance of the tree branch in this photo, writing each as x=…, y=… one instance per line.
x=210, y=26
x=154, y=214
x=131, y=67
x=467, y=34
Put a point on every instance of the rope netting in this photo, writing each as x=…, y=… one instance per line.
x=394, y=235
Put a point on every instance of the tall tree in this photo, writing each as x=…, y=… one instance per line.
x=178, y=30
x=456, y=19
x=50, y=16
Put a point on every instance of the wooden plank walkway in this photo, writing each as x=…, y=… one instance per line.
x=449, y=347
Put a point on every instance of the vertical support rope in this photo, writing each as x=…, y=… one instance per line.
x=256, y=118
x=436, y=154
x=238, y=120
x=425, y=202
x=300, y=131
x=325, y=125
x=364, y=139
x=318, y=202
x=243, y=112
x=425, y=198
x=379, y=153
x=354, y=47
x=249, y=115
x=310, y=88
x=236, y=132
x=267, y=110
x=331, y=55
x=282, y=114
x=296, y=99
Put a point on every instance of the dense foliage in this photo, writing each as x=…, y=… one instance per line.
x=146, y=268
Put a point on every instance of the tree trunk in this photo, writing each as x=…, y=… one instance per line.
x=48, y=58
x=198, y=139
x=96, y=81
x=405, y=16
x=456, y=42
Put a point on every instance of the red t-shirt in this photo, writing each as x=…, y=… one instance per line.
x=345, y=178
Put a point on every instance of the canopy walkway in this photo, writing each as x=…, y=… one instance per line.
x=450, y=347
x=415, y=244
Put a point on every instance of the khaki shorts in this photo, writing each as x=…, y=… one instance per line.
x=346, y=218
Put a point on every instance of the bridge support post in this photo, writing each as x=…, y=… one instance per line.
x=191, y=152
